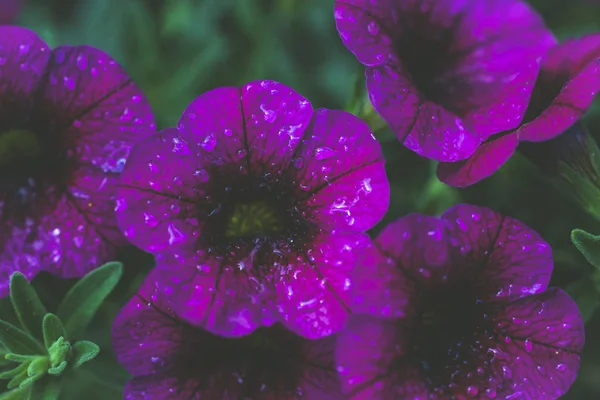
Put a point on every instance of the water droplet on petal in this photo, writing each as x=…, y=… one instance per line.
x=323, y=153
x=150, y=220
x=528, y=345
x=69, y=83
x=373, y=28
x=209, y=143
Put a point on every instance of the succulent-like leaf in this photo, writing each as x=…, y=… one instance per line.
x=53, y=329
x=28, y=307
x=588, y=245
x=84, y=352
x=18, y=341
x=83, y=300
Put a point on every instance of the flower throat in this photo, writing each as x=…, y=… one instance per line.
x=18, y=147
x=253, y=219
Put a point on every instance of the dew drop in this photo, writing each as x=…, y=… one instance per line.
x=81, y=62
x=472, y=390
x=228, y=132
x=209, y=143
x=69, y=83
x=373, y=28
x=201, y=174
x=528, y=345
x=150, y=220
x=323, y=153
x=561, y=367
x=298, y=162
x=242, y=153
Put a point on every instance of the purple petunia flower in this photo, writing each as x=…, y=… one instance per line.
x=255, y=207
x=68, y=118
x=446, y=74
x=457, y=307
x=566, y=86
x=171, y=360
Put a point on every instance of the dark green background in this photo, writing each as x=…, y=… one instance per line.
x=178, y=49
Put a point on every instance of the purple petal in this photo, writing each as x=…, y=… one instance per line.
x=370, y=362
x=229, y=298
x=340, y=174
x=487, y=159
x=100, y=114
x=567, y=85
x=534, y=352
x=498, y=46
x=547, y=337
x=216, y=135
x=142, y=332
x=367, y=28
x=429, y=129
x=276, y=118
x=378, y=287
x=23, y=60
x=161, y=190
x=313, y=289
x=419, y=247
x=163, y=387
x=508, y=257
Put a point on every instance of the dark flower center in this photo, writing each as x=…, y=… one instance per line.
x=254, y=219
x=270, y=360
x=426, y=56
x=245, y=210
x=31, y=170
x=18, y=147
x=446, y=324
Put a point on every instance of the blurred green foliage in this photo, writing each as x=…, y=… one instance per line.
x=178, y=49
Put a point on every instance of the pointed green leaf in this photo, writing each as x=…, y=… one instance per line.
x=31, y=380
x=20, y=357
x=83, y=300
x=588, y=245
x=39, y=366
x=27, y=304
x=17, y=341
x=17, y=394
x=84, y=352
x=58, y=369
x=20, y=376
x=22, y=368
x=53, y=329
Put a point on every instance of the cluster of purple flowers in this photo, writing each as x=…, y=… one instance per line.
x=256, y=205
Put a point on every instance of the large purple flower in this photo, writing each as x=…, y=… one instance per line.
x=457, y=307
x=446, y=74
x=171, y=360
x=566, y=86
x=255, y=207
x=68, y=118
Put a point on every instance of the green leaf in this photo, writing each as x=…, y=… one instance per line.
x=20, y=357
x=588, y=245
x=53, y=329
x=18, y=341
x=84, y=352
x=83, y=300
x=20, y=369
x=39, y=366
x=27, y=304
x=17, y=394
x=58, y=369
